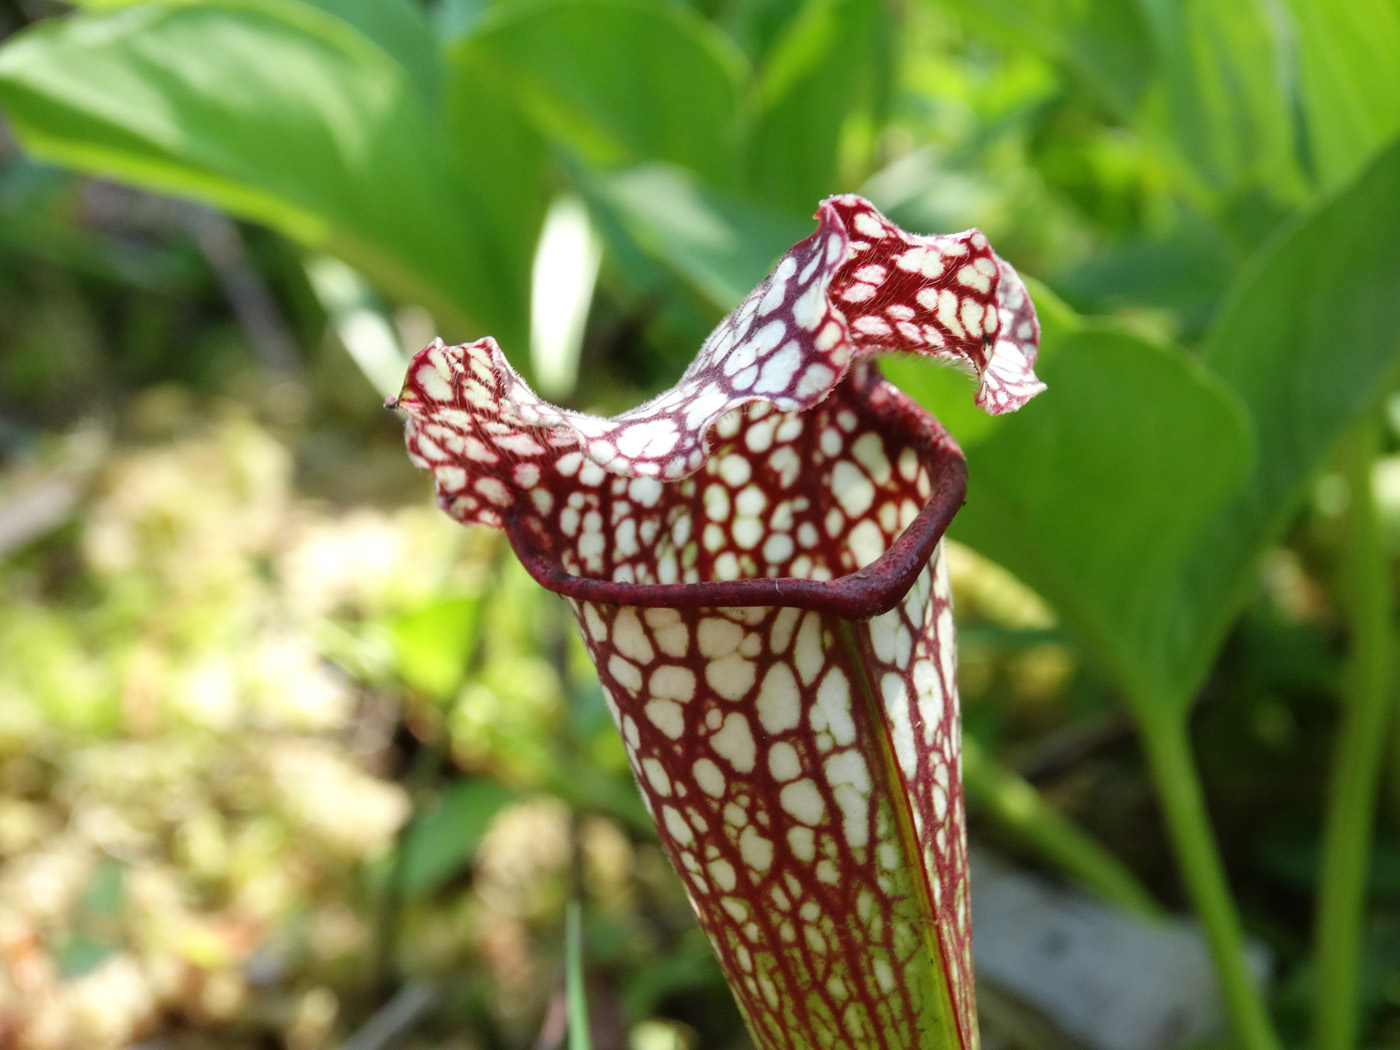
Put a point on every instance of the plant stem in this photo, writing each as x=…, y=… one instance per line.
x=1017, y=806
x=1178, y=786
x=1356, y=769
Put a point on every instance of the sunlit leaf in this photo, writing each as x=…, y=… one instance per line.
x=1155, y=550
x=1221, y=101
x=1095, y=496
x=811, y=83
x=561, y=291
x=714, y=243
x=621, y=81
x=277, y=112
x=398, y=27
x=502, y=167
x=1308, y=342
x=1350, y=80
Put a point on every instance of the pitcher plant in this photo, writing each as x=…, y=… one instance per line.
x=754, y=560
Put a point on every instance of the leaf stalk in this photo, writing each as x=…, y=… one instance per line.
x=1178, y=787
x=1351, y=801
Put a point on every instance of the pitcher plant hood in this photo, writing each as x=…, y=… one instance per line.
x=753, y=557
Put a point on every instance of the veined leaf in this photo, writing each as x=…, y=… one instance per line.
x=1095, y=496
x=712, y=242
x=1350, y=80
x=620, y=81
x=809, y=87
x=275, y=111
x=1223, y=97
x=1157, y=550
x=1308, y=342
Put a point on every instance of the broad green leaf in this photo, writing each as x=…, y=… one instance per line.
x=1184, y=272
x=809, y=86
x=1095, y=492
x=1223, y=96
x=79, y=954
x=398, y=27
x=1309, y=340
x=453, y=19
x=715, y=244
x=276, y=112
x=620, y=81
x=1350, y=76
x=503, y=167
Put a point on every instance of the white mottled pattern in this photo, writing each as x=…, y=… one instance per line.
x=807, y=792
x=787, y=803
x=832, y=300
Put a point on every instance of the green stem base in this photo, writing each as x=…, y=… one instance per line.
x=1179, y=788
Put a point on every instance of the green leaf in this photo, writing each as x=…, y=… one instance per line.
x=580, y=1037
x=434, y=644
x=400, y=29
x=1308, y=342
x=440, y=842
x=1350, y=80
x=277, y=112
x=619, y=81
x=1095, y=492
x=809, y=86
x=80, y=954
x=715, y=244
x=105, y=894
x=756, y=25
x=1158, y=548
x=1184, y=272
x=503, y=170
x=1223, y=98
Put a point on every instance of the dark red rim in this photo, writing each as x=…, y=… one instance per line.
x=870, y=591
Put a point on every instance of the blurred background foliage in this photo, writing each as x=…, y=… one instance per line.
x=288, y=759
